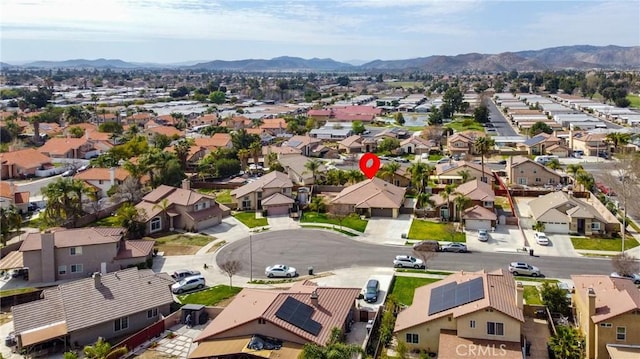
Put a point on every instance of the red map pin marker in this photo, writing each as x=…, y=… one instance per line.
x=369, y=164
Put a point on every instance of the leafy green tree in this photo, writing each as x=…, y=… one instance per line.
x=318, y=204
x=568, y=343
x=9, y=218
x=435, y=116
x=111, y=127
x=585, y=179
x=182, y=149
x=555, y=298
x=446, y=195
x=241, y=139
x=461, y=202
x=161, y=141
x=388, y=171
x=243, y=156
x=464, y=174
x=217, y=97
x=76, y=114
x=554, y=164
x=453, y=101
x=573, y=169
x=481, y=114
x=226, y=167
x=618, y=139
x=103, y=350
x=343, y=80
x=70, y=355
x=76, y=132
x=357, y=127
x=64, y=202
x=388, y=144
x=335, y=348
x=539, y=127
x=399, y=118
x=129, y=217
x=538, y=226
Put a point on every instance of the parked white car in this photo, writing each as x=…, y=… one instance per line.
x=404, y=261
x=483, y=235
x=541, y=238
x=280, y=270
x=187, y=284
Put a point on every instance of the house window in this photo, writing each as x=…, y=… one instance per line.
x=538, y=179
x=100, y=181
x=246, y=202
x=412, y=338
x=120, y=324
x=487, y=204
x=595, y=226
x=76, y=268
x=472, y=324
x=605, y=325
x=552, y=180
x=621, y=333
x=62, y=270
x=494, y=328
x=75, y=251
x=152, y=313
x=156, y=224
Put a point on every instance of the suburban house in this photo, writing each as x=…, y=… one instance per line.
x=9, y=196
x=541, y=144
x=484, y=309
x=169, y=131
x=102, y=179
x=479, y=217
x=274, y=126
x=372, y=198
x=196, y=153
x=311, y=147
x=416, y=145
x=304, y=313
x=294, y=166
x=523, y=171
x=75, y=253
x=68, y=147
x=357, y=144
x=480, y=194
x=218, y=140
x=22, y=163
x=450, y=172
x=461, y=143
x=560, y=212
x=332, y=131
x=76, y=313
x=167, y=208
x=274, y=184
x=591, y=144
x=607, y=311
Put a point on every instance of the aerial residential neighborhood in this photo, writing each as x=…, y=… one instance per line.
x=320, y=205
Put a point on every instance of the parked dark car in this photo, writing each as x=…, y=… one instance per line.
x=371, y=291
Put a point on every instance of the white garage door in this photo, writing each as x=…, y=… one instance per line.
x=478, y=224
x=278, y=210
x=556, y=228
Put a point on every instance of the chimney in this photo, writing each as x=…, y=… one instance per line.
x=112, y=175
x=97, y=279
x=519, y=295
x=47, y=257
x=571, y=139
x=186, y=184
x=314, y=298
x=591, y=300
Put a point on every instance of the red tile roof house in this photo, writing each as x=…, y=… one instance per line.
x=186, y=209
x=269, y=313
x=168, y=131
x=9, y=196
x=274, y=126
x=75, y=253
x=448, y=173
x=274, y=188
x=103, y=178
x=67, y=147
x=22, y=163
x=110, y=305
x=491, y=317
x=372, y=198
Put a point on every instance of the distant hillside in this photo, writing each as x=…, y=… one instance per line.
x=580, y=57
x=283, y=63
x=577, y=57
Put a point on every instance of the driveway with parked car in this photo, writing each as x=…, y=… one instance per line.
x=559, y=245
x=502, y=239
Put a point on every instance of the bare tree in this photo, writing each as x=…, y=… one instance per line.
x=625, y=264
x=426, y=254
x=230, y=268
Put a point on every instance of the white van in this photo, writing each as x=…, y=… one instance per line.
x=545, y=159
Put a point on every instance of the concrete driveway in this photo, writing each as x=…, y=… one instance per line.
x=503, y=239
x=559, y=245
x=388, y=230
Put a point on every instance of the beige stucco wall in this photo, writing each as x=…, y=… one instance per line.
x=428, y=334
x=526, y=170
x=511, y=326
x=606, y=336
x=268, y=329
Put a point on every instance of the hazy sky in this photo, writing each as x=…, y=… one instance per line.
x=169, y=31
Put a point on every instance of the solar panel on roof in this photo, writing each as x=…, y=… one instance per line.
x=453, y=295
x=298, y=314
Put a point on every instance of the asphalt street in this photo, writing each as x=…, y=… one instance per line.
x=326, y=251
x=502, y=125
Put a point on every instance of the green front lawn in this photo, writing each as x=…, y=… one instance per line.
x=404, y=287
x=249, y=219
x=424, y=230
x=210, y=296
x=635, y=100
x=109, y=221
x=531, y=295
x=9, y=292
x=465, y=125
x=521, y=278
x=329, y=228
x=601, y=244
x=353, y=221
x=181, y=244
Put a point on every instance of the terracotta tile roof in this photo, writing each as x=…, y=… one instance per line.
x=273, y=123
x=75, y=237
x=499, y=294
x=5, y=189
x=21, y=197
x=166, y=130
x=255, y=131
x=60, y=146
x=479, y=212
x=217, y=140
x=166, y=120
x=301, y=141
x=334, y=304
x=614, y=296
x=135, y=249
x=320, y=113
x=451, y=346
x=104, y=174
x=27, y=158
x=273, y=179
x=80, y=304
x=372, y=193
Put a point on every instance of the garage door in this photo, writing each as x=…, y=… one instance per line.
x=556, y=228
x=278, y=210
x=476, y=224
x=382, y=212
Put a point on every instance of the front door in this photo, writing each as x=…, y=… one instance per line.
x=444, y=213
x=580, y=225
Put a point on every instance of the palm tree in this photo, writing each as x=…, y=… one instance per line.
x=313, y=166
x=618, y=139
x=103, y=350
x=423, y=199
x=568, y=343
x=163, y=206
x=483, y=146
x=243, y=156
x=446, y=195
x=354, y=176
x=585, y=179
x=64, y=201
x=129, y=217
x=538, y=226
x=461, y=202
x=10, y=218
x=573, y=170
x=388, y=170
x=554, y=164
x=182, y=149
x=256, y=150
x=465, y=174
x=420, y=172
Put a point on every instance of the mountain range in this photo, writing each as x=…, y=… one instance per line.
x=579, y=57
